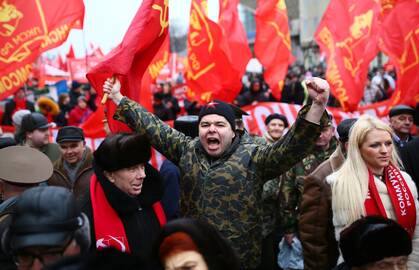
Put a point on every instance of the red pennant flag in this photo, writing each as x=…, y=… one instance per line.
x=235, y=34
x=209, y=72
x=400, y=41
x=28, y=28
x=273, y=43
x=130, y=59
x=348, y=34
x=70, y=53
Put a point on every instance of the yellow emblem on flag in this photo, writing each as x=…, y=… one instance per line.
x=9, y=19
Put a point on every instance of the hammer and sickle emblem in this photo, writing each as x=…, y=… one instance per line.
x=9, y=19
x=164, y=15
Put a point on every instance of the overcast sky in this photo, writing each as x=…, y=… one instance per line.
x=106, y=21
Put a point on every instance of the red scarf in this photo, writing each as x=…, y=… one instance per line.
x=401, y=198
x=109, y=229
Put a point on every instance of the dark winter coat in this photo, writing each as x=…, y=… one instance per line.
x=410, y=157
x=140, y=222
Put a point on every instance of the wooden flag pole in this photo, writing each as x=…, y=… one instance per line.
x=105, y=96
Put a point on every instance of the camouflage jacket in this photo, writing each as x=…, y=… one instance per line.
x=226, y=191
x=291, y=186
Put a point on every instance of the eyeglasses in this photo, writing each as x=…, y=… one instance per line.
x=26, y=259
x=46, y=255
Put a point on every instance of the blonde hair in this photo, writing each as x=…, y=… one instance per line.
x=350, y=189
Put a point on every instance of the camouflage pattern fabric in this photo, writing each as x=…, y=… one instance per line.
x=292, y=183
x=225, y=192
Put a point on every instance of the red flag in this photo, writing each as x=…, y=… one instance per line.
x=273, y=43
x=153, y=70
x=28, y=28
x=209, y=72
x=235, y=34
x=130, y=59
x=348, y=34
x=400, y=41
x=78, y=67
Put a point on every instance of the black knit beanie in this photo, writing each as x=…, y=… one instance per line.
x=220, y=108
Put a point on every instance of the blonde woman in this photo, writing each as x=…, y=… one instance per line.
x=370, y=183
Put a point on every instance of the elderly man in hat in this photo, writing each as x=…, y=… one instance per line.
x=222, y=176
x=21, y=168
x=401, y=121
x=275, y=125
x=35, y=134
x=46, y=227
x=74, y=168
x=315, y=226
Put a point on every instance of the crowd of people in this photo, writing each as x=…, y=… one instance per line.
x=75, y=104
x=297, y=197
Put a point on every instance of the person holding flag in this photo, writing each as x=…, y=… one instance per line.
x=222, y=176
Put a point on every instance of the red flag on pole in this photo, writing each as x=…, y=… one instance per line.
x=348, y=34
x=130, y=59
x=209, y=72
x=400, y=41
x=273, y=43
x=151, y=74
x=28, y=28
x=235, y=34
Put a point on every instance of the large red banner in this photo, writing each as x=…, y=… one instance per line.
x=28, y=28
x=399, y=39
x=348, y=35
x=209, y=73
x=235, y=34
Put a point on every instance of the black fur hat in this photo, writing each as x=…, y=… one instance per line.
x=373, y=238
x=122, y=150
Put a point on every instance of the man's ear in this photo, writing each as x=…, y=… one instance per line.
x=109, y=175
